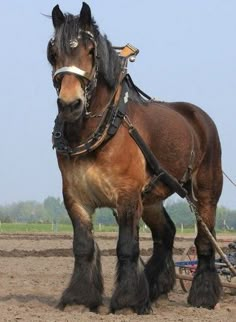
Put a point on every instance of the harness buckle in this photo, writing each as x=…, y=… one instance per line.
x=57, y=135
x=152, y=183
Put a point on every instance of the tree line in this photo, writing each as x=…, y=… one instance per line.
x=52, y=210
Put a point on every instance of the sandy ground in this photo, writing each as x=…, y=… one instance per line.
x=36, y=268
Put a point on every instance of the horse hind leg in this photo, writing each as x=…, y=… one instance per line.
x=160, y=268
x=206, y=288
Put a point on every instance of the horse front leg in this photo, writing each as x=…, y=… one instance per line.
x=131, y=284
x=86, y=284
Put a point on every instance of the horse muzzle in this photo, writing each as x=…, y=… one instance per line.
x=72, y=111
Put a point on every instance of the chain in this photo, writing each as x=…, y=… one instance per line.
x=193, y=208
x=128, y=122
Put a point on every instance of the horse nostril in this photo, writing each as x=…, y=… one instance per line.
x=75, y=105
x=62, y=105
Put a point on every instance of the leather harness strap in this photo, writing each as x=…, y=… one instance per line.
x=107, y=128
x=109, y=125
x=158, y=174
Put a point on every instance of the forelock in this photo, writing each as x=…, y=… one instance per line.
x=70, y=30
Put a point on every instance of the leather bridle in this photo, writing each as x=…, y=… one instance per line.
x=88, y=80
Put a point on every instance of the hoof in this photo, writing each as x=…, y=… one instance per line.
x=132, y=294
x=125, y=311
x=73, y=297
x=80, y=308
x=206, y=290
x=161, y=282
x=145, y=309
x=61, y=306
x=140, y=310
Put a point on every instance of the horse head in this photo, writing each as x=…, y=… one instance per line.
x=80, y=57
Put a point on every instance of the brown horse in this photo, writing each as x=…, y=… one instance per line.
x=103, y=166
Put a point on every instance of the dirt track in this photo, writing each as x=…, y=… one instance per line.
x=35, y=269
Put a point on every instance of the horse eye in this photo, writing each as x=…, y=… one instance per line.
x=52, y=59
x=91, y=51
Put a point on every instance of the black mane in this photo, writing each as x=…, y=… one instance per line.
x=109, y=61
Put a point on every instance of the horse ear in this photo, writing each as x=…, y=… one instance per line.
x=57, y=17
x=85, y=16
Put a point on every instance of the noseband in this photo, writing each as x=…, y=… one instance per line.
x=72, y=70
x=90, y=78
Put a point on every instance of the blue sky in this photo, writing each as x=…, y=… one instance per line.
x=187, y=53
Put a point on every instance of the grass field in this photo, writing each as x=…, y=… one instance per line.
x=47, y=228
x=31, y=227
x=64, y=228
